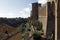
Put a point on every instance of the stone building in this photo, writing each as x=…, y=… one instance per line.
x=9, y=33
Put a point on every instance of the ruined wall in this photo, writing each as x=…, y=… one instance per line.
x=47, y=17
x=55, y=21
x=34, y=13
x=42, y=13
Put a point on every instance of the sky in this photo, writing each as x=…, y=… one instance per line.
x=17, y=8
x=42, y=1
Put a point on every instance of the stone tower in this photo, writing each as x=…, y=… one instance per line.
x=34, y=13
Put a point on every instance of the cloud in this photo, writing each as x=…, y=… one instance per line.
x=30, y=4
x=25, y=12
x=42, y=1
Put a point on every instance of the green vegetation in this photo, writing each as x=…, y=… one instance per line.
x=37, y=24
x=38, y=30
x=25, y=28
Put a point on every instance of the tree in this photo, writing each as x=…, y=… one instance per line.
x=21, y=27
x=37, y=24
x=29, y=27
x=38, y=30
x=24, y=29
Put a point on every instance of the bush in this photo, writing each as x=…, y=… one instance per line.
x=37, y=24
x=36, y=36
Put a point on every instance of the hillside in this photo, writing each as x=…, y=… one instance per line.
x=13, y=21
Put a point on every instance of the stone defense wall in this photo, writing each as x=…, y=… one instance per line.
x=47, y=17
x=34, y=13
x=42, y=16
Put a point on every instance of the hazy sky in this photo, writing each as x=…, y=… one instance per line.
x=17, y=8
